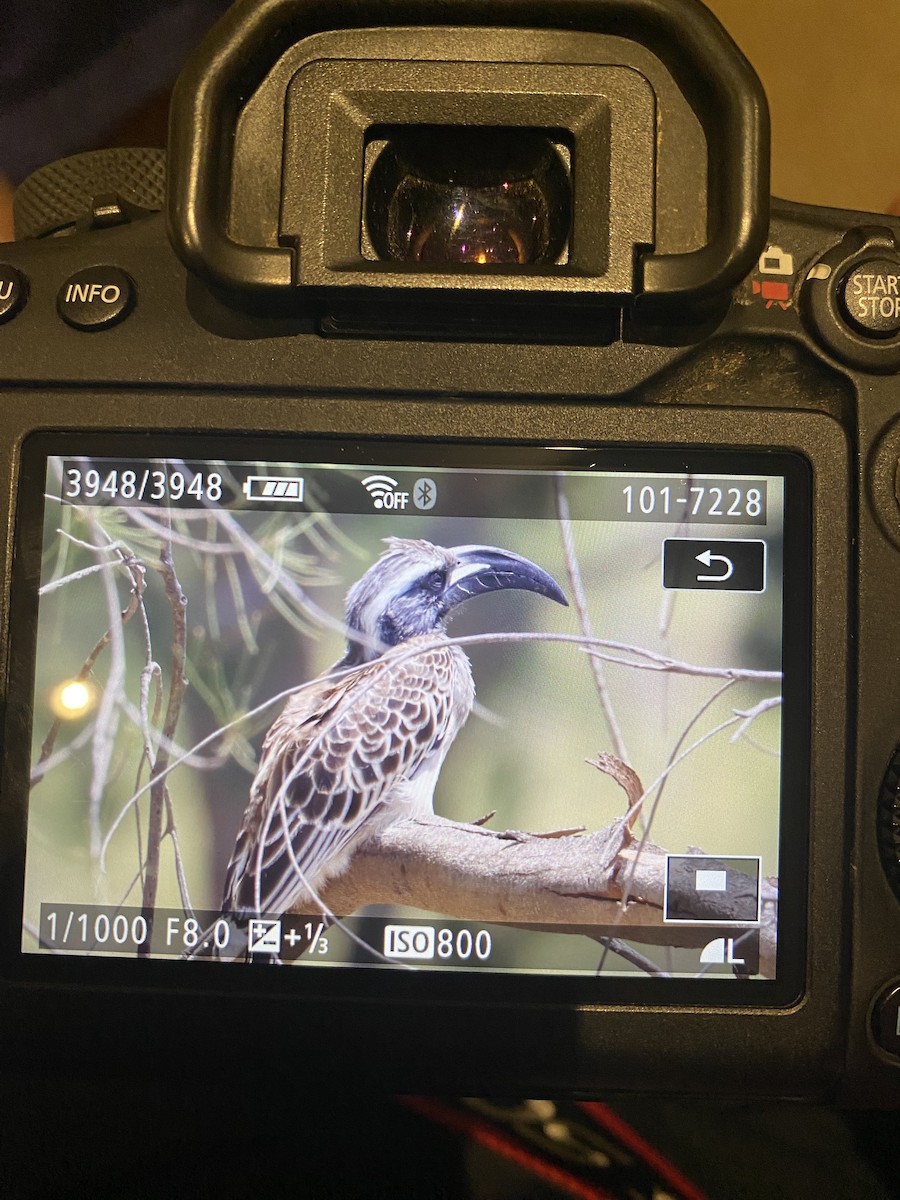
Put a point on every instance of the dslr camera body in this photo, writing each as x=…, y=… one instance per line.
x=430, y=301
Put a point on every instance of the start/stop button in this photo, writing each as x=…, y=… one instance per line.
x=886, y=1020
x=870, y=297
x=851, y=299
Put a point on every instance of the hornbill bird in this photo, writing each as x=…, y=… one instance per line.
x=363, y=745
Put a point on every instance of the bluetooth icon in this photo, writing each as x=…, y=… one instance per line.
x=425, y=494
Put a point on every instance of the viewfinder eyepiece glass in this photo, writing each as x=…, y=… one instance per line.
x=451, y=195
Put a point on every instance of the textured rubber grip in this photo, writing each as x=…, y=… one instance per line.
x=62, y=192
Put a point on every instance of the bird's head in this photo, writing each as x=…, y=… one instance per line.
x=415, y=585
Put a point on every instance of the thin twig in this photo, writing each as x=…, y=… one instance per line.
x=627, y=951
x=656, y=801
x=138, y=517
x=751, y=715
x=107, y=714
x=767, y=750
x=469, y=640
x=151, y=670
x=578, y=595
x=209, y=593
x=86, y=668
x=704, y=708
x=662, y=663
x=747, y=718
x=136, y=878
x=50, y=762
x=54, y=584
x=108, y=547
x=196, y=761
x=177, y=686
x=264, y=566
x=240, y=607
x=171, y=832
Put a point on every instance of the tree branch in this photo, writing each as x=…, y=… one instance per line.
x=569, y=885
x=580, y=599
x=159, y=798
x=135, y=570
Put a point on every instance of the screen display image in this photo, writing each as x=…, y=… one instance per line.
x=378, y=706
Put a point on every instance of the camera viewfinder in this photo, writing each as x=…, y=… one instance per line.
x=468, y=196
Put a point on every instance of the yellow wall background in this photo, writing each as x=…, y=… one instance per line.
x=831, y=69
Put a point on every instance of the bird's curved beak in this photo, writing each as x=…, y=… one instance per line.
x=482, y=569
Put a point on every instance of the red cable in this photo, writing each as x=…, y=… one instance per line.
x=610, y=1120
x=503, y=1144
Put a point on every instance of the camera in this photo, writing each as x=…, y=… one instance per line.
x=452, y=516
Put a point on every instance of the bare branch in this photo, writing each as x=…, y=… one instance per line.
x=240, y=606
x=704, y=708
x=196, y=762
x=177, y=686
x=746, y=717
x=638, y=803
x=569, y=885
x=107, y=714
x=55, y=584
x=750, y=716
x=48, y=762
x=171, y=831
x=139, y=517
x=40, y=768
x=627, y=779
x=661, y=662
x=617, y=946
x=108, y=547
x=578, y=595
x=469, y=640
x=269, y=574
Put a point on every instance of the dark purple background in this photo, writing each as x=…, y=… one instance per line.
x=71, y=70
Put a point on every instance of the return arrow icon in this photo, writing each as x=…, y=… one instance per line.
x=708, y=558
x=710, y=565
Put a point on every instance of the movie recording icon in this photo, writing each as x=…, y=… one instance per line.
x=273, y=487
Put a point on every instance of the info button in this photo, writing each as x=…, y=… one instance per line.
x=701, y=565
x=96, y=298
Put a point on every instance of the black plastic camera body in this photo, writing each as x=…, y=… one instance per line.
x=624, y=292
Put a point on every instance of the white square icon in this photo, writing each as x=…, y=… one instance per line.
x=711, y=881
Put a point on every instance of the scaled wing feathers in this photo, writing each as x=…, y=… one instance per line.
x=340, y=762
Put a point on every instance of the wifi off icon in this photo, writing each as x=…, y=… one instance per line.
x=384, y=493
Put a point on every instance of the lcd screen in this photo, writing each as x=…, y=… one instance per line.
x=410, y=708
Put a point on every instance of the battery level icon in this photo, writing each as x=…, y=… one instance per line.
x=273, y=487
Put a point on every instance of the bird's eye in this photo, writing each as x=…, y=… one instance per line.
x=435, y=581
